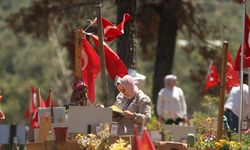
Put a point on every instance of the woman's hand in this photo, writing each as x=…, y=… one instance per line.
x=128, y=115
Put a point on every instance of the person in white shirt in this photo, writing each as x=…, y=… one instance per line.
x=171, y=103
x=232, y=105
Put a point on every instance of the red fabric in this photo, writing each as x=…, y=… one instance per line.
x=114, y=64
x=2, y=116
x=212, y=78
x=90, y=67
x=126, y=18
x=137, y=141
x=111, y=32
x=34, y=121
x=32, y=103
x=42, y=103
x=146, y=142
x=49, y=101
x=232, y=77
x=246, y=47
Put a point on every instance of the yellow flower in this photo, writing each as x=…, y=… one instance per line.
x=223, y=141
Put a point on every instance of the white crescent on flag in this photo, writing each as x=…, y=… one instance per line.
x=85, y=59
x=231, y=67
x=34, y=99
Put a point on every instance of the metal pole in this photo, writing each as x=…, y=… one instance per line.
x=222, y=89
x=241, y=69
x=101, y=52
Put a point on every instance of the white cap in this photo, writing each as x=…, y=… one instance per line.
x=170, y=77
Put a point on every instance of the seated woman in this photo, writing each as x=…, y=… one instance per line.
x=136, y=106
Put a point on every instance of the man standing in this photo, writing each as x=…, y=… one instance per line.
x=171, y=103
x=232, y=105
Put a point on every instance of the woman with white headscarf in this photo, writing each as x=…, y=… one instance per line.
x=171, y=103
x=136, y=106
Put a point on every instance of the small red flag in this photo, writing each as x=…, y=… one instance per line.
x=212, y=78
x=232, y=77
x=34, y=121
x=2, y=116
x=49, y=100
x=32, y=106
x=90, y=67
x=111, y=32
x=137, y=141
x=246, y=47
x=146, y=142
x=114, y=64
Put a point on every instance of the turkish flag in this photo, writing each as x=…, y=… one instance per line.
x=146, y=142
x=212, y=78
x=90, y=67
x=42, y=103
x=137, y=141
x=111, y=32
x=2, y=116
x=34, y=121
x=49, y=100
x=114, y=64
x=246, y=47
x=32, y=103
x=232, y=77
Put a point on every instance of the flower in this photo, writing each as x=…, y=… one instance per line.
x=92, y=141
x=120, y=144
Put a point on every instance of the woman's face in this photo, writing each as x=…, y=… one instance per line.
x=122, y=90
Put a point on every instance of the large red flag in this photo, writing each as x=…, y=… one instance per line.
x=246, y=47
x=232, y=77
x=90, y=67
x=114, y=64
x=111, y=32
x=146, y=142
x=212, y=78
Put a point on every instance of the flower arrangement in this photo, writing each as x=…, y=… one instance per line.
x=94, y=142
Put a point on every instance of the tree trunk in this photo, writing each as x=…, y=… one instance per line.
x=126, y=43
x=167, y=33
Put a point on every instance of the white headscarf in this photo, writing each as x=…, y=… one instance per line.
x=128, y=83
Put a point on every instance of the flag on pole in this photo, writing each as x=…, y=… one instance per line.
x=34, y=122
x=232, y=77
x=49, y=100
x=114, y=64
x=111, y=32
x=246, y=47
x=212, y=77
x=91, y=67
x=137, y=140
x=146, y=142
x=32, y=105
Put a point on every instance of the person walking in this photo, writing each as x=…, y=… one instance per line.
x=171, y=103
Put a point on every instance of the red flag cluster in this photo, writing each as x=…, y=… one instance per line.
x=91, y=61
x=232, y=77
x=143, y=143
x=33, y=106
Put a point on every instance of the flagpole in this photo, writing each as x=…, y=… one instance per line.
x=101, y=53
x=222, y=89
x=241, y=69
